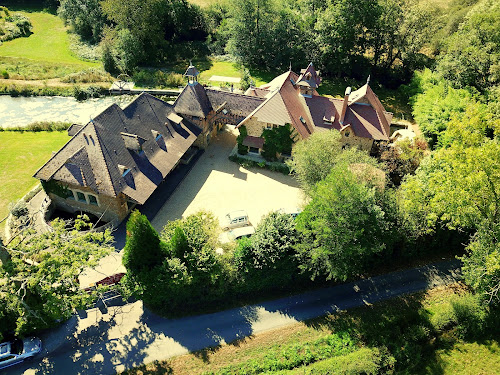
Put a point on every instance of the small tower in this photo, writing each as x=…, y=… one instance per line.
x=309, y=80
x=192, y=74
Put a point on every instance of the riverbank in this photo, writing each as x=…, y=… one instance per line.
x=21, y=111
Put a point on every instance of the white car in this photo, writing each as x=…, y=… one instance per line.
x=16, y=351
x=236, y=234
x=235, y=219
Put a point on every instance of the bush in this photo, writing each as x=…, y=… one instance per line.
x=91, y=75
x=5, y=74
x=83, y=93
x=19, y=209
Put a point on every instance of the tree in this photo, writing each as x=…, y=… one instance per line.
x=39, y=279
x=85, y=16
x=264, y=33
x=472, y=54
x=314, y=157
x=344, y=226
x=403, y=158
x=143, y=249
x=435, y=103
x=267, y=260
x=481, y=264
x=343, y=43
x=179, y=270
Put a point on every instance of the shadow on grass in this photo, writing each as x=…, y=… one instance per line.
x=400, y=328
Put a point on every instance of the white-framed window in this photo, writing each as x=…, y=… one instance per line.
x=83, y=197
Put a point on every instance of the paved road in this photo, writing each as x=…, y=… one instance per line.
x=130, y=336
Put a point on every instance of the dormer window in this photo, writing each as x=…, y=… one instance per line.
x=158, y=137
x=225, y=111
x=127, y=171
x=302, y=120
x=293, y=82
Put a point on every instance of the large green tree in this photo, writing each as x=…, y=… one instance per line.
x=85, y=16
x=346, y=224
x=314, y=157
x=268, y=259
x=471, y=56
x=39, y=278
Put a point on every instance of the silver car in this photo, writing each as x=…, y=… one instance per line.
x=16, y=351
x=235, y=219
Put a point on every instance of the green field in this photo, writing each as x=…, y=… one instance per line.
x=21, y=154
x=49, y=41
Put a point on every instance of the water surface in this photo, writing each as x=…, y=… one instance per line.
x=21, y=111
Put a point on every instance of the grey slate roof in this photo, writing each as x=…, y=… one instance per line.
x=95, y=156
x=193, y=101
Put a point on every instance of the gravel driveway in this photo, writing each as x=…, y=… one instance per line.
x=219, y=185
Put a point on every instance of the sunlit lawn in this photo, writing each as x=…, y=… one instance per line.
x=21, y=154
x=48, y=43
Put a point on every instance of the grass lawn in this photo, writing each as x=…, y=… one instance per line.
x=21, y=154
x=352, y=342
x=49, y=41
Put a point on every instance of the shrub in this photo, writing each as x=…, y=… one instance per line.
x=5, y=74
x=91, y=75
x=83, y=93
x=19, y=209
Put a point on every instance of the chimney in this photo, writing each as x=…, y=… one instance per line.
x=344, y=106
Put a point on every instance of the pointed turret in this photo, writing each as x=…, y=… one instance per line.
x=192, y=74
x=309, y=80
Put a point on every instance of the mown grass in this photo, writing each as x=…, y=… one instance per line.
x=400, y=336
x=21, y=154
x=48, y=43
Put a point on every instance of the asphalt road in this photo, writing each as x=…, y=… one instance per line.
x=129, y=336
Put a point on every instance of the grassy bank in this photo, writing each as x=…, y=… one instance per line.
x=426, y=333
x=21, y=154
x=48, y=43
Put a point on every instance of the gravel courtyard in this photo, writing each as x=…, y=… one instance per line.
x=218, y=185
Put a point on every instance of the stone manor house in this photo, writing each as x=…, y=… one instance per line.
x=118, y=159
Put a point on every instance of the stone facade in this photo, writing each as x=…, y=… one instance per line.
x=111, y=209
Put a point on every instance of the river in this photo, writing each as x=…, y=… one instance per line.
x=21, y=111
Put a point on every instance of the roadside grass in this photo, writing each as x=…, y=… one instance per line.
x=21, y=154
x=397, y=336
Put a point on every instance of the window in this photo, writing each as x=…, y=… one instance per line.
x=93, y=200
x=126, y=172
x=81, y=197
x=253, y=150
x=158, y=137
x=347, y=133
x=302, y=120
x=224, y=111
x=70, y=195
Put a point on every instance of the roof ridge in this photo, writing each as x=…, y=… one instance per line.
x=108, y=174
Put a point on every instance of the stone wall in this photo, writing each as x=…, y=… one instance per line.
x=113, y=210
x=354, y=141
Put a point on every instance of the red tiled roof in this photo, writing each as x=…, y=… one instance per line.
x=256, y=142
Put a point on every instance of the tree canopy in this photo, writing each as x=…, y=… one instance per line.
x=39, y=278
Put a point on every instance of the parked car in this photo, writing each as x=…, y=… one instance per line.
x=236, y=234
x=235, y=219
x=293, y=212
x=16, y=351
